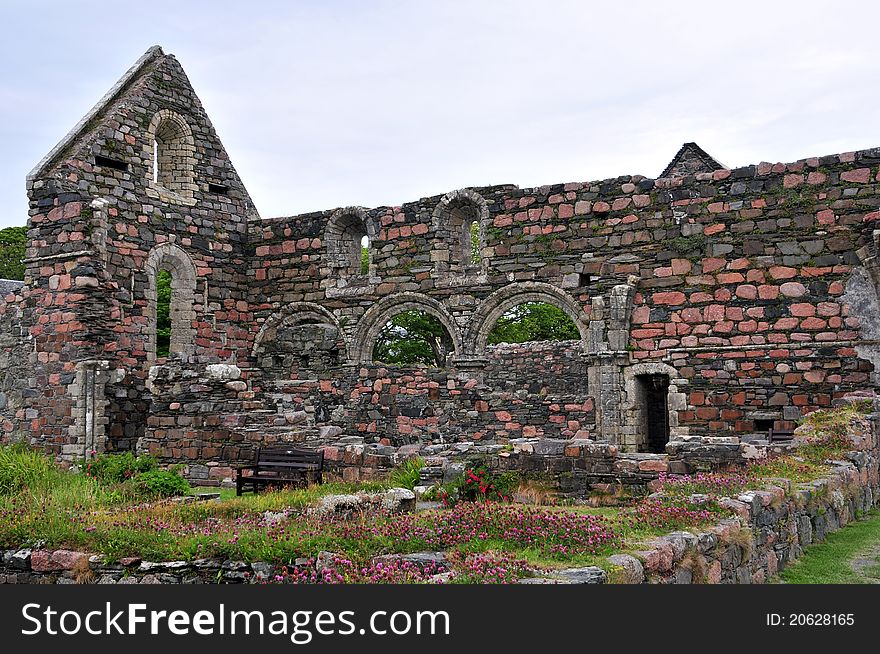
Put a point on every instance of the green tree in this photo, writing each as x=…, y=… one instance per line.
x=533, y=321
x=13, y=244
x=163, y=313
x=413, y=337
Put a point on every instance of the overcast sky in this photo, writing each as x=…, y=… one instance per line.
x=336, y=103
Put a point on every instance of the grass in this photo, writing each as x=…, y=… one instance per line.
x=831, y=562
x=41, y=505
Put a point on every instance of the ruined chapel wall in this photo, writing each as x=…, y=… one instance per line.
x=740, y=276
x=96, y=215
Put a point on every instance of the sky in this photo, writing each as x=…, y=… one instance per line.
x=337, y=103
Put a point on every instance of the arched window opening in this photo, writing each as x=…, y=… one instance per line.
x=365, y=255
x=463, y=235
x=163, y=314
x=413, y=337
x=475, y=243
x=170, y=303
x=171, y=157
x=349, y=247
x=652, y=402
x=533, y=321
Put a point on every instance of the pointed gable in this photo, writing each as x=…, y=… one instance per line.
x=151, y=136
x=86, y=123
x=689, y=160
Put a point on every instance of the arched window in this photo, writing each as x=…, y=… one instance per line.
x=349, y=247
x=459, y=223
x=405, y=329
x=413, y=337
x=171, y=158
x=170, y=296
x=527, y=311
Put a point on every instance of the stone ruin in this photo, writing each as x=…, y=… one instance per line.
x=713, y=305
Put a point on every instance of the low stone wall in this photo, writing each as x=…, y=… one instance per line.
x=771, y=527
x=69, y=567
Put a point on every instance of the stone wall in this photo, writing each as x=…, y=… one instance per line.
x=753, y=291
x=772, y=526
x=732, y=282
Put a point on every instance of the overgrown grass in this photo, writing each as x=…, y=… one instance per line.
x=406, y=475
x=831, y=562
x=22, y=468
x=45, y=505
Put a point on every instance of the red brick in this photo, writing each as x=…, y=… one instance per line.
x=747, y=292
x=766, y=292
x=793, y=289
x=730, y=278
x=782, y=272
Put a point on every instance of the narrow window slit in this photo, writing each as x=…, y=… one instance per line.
x=107, y=162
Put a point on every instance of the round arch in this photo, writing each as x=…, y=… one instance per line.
x=296, y=313
x=377, y=316
x=170, y=153
x=342, y=237
x=175, y=260
x=504, y=299
x=451, y=221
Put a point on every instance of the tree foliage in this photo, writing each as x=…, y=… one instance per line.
x=163, y=313
x=413, y=337
x=416, y=337
x=13, y=244
x=533, y=321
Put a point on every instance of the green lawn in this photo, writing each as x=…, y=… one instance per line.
x=848, y=556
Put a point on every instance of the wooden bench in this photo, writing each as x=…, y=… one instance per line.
x=281, y=466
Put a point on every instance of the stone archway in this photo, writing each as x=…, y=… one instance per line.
x=173, y=259
x=633, y=410
x=372, y=322
x=292, y=314
x=502, y=300
x=451, y=222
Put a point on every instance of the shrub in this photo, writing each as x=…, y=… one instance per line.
x=479, y=484
x=116, y=468
x=406, y=475
x=22, y=467
x=160, y=483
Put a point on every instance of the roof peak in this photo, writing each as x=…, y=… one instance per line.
x=690, y=159
x=152, y=54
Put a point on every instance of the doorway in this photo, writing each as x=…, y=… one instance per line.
x=653, y=398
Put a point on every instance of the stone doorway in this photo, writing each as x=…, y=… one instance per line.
x=653, y=391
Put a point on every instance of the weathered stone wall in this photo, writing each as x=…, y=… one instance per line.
x=17, y=387
x=752, y=290
x=734, y=282
x=101, y=226
x=772, y=526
